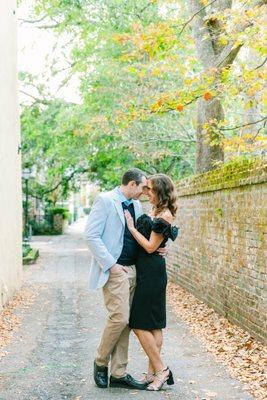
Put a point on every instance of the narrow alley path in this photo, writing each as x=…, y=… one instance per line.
x=51, y=356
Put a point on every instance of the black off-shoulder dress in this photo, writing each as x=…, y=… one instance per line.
x=148, y=310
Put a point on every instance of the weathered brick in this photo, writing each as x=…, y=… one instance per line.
x=220, y=254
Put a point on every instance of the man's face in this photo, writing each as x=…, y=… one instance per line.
x=137, y=190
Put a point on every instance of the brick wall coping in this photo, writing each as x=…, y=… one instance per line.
x=237, y=173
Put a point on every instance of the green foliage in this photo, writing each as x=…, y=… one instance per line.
x=219, y=212
x=64, y=212
x=230, y=174
x=140, y=76
x=50, y=144
x=43, y=228
x=26, y=248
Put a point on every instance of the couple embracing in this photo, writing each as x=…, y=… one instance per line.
x=128, y=249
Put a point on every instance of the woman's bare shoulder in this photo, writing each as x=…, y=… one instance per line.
x=166, y=215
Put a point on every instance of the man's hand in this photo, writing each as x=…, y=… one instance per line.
x=117, y=268
x=163, y=251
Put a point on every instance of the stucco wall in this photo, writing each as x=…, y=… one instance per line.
x=221, y=253
x=10, y=174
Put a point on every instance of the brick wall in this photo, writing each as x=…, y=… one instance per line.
x=221, y=253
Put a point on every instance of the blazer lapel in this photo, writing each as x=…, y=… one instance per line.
x=119, y=208
x=136, y=210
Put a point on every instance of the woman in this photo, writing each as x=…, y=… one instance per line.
x=148, y=313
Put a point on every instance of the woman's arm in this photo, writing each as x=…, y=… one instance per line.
x=150, y=245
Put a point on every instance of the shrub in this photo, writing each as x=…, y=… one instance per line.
x=60, y=211
x=26, y=248
x=43, y=228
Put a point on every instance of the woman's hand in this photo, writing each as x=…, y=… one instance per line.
x=150, y=245
x=129, y=220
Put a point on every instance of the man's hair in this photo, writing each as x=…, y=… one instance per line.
x=133, y=174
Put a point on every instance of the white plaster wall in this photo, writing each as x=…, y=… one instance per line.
x=10, y=172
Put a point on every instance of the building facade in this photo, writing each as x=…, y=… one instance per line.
x=10, y=159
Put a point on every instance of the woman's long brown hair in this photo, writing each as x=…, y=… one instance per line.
x=165, y=192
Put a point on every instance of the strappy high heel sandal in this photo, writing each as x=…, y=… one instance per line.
x=148, y=378
x=162, y=378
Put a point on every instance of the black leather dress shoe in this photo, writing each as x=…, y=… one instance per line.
x=101, y=376
x=126, y=382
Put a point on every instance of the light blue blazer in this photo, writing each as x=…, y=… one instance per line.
x=104, y=235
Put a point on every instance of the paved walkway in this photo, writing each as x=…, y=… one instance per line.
x=52, y=355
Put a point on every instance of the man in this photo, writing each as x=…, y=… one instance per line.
x=113, y=268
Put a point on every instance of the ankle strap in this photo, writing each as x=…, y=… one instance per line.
x=163, y=370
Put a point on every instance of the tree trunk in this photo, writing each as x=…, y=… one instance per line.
x=208, y=149
x=213, y=55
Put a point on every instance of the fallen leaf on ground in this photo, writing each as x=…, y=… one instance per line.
x=245, y=357
x=9, y=321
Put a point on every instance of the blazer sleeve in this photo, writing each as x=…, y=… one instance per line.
x=93, y=232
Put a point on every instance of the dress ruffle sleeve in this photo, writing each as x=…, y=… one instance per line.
x=143, y=222
x=159, y=225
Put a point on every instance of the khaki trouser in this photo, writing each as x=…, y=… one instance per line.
x=118, y=295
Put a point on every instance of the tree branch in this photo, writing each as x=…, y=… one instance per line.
x=261, y=65
x=32, y=21
x=139, y=14
x=63, y=180
x=53, y=26
x=36, y=21
x=241, y=126
x=172, y=164
x=168, y=140
x=37, y=100
x=228, y=55
x=258, y=131
x=71, y=65
x=194, y=15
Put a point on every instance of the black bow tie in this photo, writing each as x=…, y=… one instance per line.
x=127, y=203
